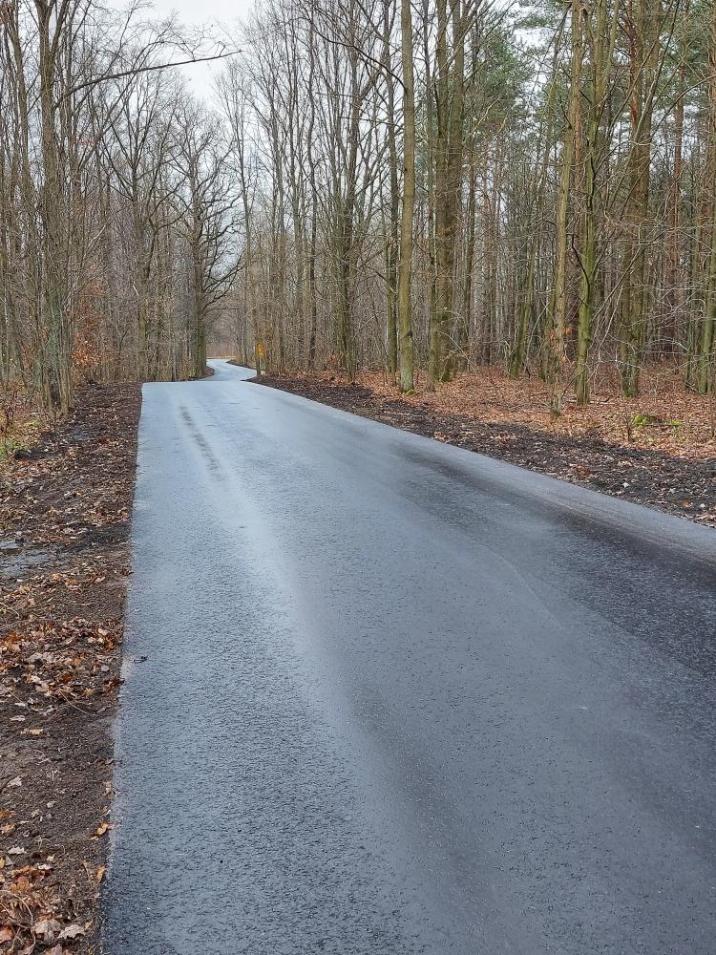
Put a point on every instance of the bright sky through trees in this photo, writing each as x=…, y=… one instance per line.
x=219, y=15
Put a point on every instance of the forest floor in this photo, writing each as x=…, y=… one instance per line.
x=658, y=449
x=65, y=505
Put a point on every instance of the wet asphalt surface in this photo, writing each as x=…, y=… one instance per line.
x=387, y=696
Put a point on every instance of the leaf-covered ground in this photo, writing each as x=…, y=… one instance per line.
x=658, y=449
x=64, y=564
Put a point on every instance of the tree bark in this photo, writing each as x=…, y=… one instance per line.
x=406, y=223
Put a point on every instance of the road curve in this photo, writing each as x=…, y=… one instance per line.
x=387, y=696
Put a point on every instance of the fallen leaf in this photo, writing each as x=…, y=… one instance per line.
x=6, y=933
x=100, y=873
x=102, y=829
x=16, y=851
x=47, y=929
x=72, y=931
x=14, y=783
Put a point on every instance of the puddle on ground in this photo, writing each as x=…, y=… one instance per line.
x=16, y=563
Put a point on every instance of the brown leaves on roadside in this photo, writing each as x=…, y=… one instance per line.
x=28, y=904
x=64, y=515
x=67, y=660
x=47, y=931
x=33, y=912
x=665, y=416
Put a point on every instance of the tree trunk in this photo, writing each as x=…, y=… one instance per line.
x=392, y=240
x=556, y=356
x=406, y=224
x=704, y=378
x=633, y=312
x=448, y=177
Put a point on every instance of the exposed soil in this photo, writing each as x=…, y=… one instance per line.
x=634, y=449
x=64, y=563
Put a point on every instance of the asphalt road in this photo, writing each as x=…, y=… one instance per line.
x=387, y=696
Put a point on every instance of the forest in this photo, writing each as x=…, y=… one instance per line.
x=422, y=187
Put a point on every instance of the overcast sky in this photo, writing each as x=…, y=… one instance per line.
x=199, y=11
x=220, y=14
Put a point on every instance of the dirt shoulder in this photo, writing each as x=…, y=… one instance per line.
x=64, y=564
x=636, y=449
